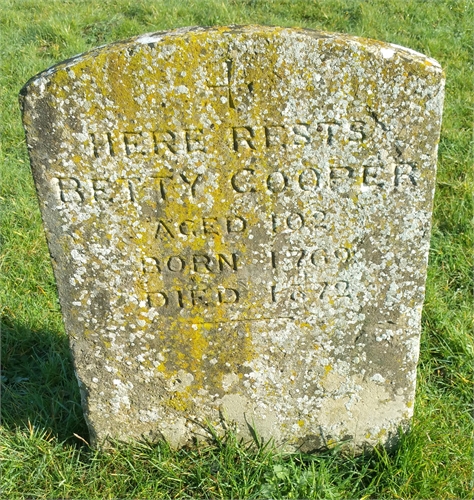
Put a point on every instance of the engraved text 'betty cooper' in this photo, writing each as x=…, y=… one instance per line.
x=246, y=180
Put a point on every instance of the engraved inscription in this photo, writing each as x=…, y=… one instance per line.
x=165, y=142
x=404, y=175
x=199, y=263
x=200, y=226
x=155, y=269
x=188, y=298
x=147, y=143
x=302, y=294
x=171, y=146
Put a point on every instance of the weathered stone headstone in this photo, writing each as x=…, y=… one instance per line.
x=239, y=220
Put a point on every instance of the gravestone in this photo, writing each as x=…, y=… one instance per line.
x=238, y=220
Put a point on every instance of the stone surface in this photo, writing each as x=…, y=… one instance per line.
x=238, y=220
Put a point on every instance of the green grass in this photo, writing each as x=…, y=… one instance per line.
x=42, y=434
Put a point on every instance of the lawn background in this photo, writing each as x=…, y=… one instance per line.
x=42, y=437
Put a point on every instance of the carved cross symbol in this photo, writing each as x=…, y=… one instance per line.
x=228, y=85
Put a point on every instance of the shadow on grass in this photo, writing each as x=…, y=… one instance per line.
x=38, y=382
x=39, y=388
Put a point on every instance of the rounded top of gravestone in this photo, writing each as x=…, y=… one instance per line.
x=378, y=48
